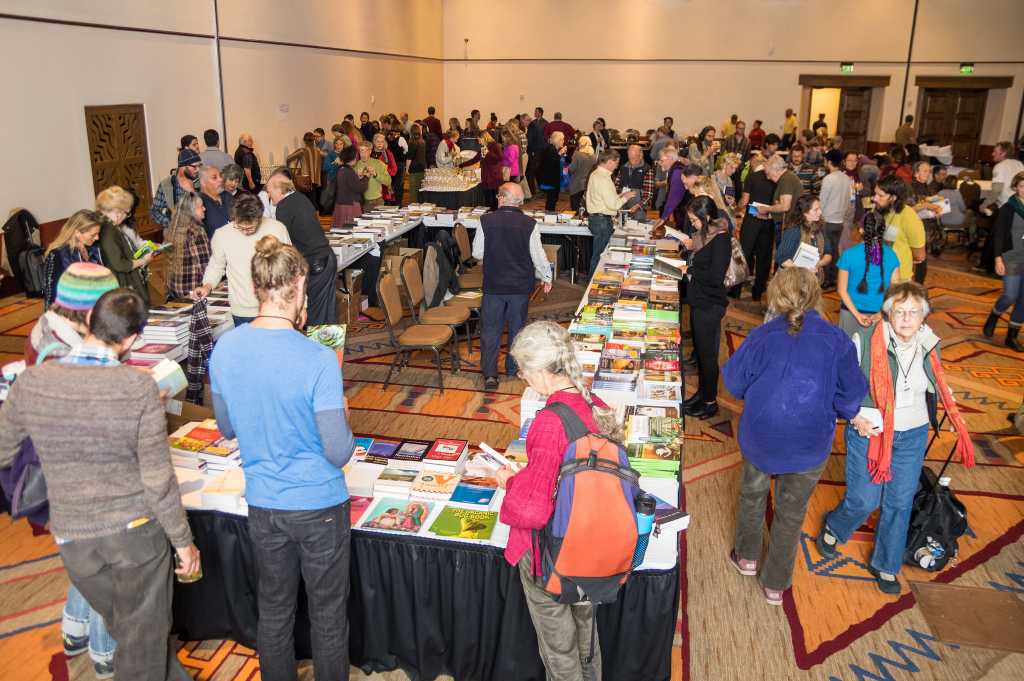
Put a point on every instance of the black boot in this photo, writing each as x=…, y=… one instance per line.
x=990, y=324
x=1011, y=339
x=692, y=400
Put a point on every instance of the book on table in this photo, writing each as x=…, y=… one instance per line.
x=476, y=491
x=409, y=454
x=455, y=522
x=361, y=477
x=362, y=445
x=398, y=515
x=396, y=482
x=447, y=453
x=357, y=508
x=434, y=485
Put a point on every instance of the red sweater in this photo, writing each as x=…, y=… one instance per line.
x=529, y=495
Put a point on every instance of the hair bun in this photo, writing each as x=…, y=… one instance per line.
x=268, y=246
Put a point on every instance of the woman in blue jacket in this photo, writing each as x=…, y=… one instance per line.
x=796, y=374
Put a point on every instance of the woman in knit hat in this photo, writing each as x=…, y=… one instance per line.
x=76, y=242
x=63, y=326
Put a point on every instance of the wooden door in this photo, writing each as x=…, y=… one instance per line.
x=119, y=155
x=954, y=117
x=854, y=110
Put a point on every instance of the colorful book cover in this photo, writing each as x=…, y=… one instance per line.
x=383, y=448
x=446, y=450
x=411, y=451
x=435, y=484
x=464, y=523
x=362, y=446
x=475, y=491
x=358, y=507
x=397, y=515
x=197, y=439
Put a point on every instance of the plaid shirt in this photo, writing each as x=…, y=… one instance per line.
x=160, y=211
x=646, y=189
x=200, y=344
x=91, y=354
x=195, y=255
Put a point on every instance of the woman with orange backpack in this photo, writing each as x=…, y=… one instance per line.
x=566, y=631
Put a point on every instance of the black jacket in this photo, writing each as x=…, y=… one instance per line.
x=550, y=172
x=299, y=216
x=707, y=273
x=1002, y=230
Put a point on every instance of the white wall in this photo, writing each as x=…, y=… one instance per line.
x=318, y=87
x=47, y=167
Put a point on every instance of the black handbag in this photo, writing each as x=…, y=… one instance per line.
x=29, y=493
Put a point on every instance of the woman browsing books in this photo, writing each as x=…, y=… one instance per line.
x=294, y=438
x=547, y=362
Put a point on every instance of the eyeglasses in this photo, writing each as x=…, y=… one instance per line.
x=912, y=313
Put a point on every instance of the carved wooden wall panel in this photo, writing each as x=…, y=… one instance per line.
x=119, y=155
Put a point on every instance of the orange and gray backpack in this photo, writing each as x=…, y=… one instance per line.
x=587, y=546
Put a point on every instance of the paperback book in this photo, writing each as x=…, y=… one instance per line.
x=397, y=515
x=464, y=523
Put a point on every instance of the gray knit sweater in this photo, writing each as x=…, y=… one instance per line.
x=101, y=435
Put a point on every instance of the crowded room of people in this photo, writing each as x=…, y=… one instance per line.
x=661, y=340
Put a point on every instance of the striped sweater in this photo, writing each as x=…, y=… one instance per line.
x=101, y=436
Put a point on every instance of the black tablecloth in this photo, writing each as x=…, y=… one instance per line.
x=471, y=198
x=428, y=607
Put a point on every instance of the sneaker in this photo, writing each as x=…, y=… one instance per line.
x=772, y=596
x=747, y=568
x=103, y=670
x=887, y=582
x=74, y=645
x=491, y=383
x=826, y=542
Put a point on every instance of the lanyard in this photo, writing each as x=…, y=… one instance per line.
x=905, y=375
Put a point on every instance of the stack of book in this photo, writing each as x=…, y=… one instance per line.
x=445, y=453
x=164, y=328
x=434, y=485
x=201, y=441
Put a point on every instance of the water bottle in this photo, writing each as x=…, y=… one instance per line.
x=645, y=505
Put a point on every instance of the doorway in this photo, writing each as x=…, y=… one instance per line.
x=119, y=155
x=846, y=103
x=954, y=117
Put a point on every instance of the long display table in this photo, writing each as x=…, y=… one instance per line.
x=428, y=607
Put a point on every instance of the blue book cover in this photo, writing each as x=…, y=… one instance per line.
x=362, y=446
x=475, y=491
x=383, y=448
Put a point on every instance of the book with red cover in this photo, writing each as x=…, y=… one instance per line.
x=446, y=451
x=358, y=508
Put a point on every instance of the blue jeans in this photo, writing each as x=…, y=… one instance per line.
x=81, y=620
x=495, y=310
x=895, y=496
x=1013, y=294
x=601, y=227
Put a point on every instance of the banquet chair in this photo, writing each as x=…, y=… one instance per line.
x=451, y=314
x=473, y=277
x=431, y=337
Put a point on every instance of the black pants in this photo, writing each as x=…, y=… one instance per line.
x=532, y=165
x=756, y=238
x=370, y=265
x=706, y=323
x=398, y=185
x=315, y=546
x=491, y=198
x=321, y=290
x=920, y=271
x=833, y=233
x=126, y=578
x=550, y=199
x=576, y=200
x=495, y=310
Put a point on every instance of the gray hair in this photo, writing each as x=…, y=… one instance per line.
x=546, y=346
x=205, y=170
x=510, y=197
x=904, y=291
x=776, y=164
x=557, y=134
x=232, y=171
x=608, y=155
x=669, y=152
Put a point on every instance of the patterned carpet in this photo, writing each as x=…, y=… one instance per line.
x=834, y=626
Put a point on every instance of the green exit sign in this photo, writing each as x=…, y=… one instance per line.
x=966, y=69
x=846, y=67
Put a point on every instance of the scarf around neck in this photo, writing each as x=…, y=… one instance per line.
x=883, y=394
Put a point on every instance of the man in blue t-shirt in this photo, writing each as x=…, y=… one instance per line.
x=281, y=395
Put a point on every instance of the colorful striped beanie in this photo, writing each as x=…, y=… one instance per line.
x=82, y=284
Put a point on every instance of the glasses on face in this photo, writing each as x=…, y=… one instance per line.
x=910, y=313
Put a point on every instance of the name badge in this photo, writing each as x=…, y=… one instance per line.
x=904, y=397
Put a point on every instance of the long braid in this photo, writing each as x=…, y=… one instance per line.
x=605, y=418
x=873, y=229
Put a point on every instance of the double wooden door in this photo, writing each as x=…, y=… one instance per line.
x=119, y=155
x=854, y=110
x=953, y=117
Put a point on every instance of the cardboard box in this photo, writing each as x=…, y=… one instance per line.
x=351, y=281
x=348, y=305
x=551, y=250
x=393, y=262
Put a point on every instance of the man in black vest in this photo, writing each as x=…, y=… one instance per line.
x=508, y=242
x=298, y=214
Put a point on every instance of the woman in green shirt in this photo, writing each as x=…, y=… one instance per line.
x=376, y=171
x=117, y=246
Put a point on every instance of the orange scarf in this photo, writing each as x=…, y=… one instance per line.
x=883, y=394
